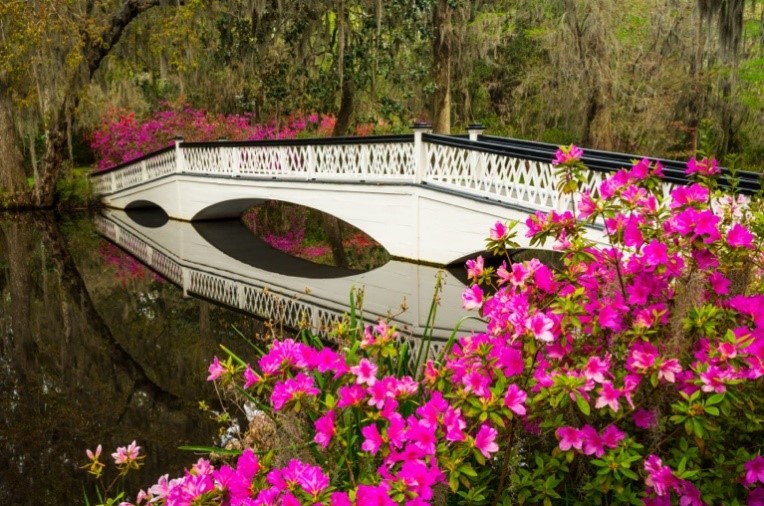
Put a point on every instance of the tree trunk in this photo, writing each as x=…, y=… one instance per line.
x=12, y=177
x=442, y=41
x=334, y=234
x=345, y=114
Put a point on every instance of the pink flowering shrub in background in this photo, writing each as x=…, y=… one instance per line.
x=630, y=374
x=123, y=136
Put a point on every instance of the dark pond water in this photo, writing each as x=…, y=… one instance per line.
x=96, y=349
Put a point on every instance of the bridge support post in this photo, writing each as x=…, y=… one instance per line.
x=185, y=281
x=420, y=151
x=474, y=130
x=180, y=161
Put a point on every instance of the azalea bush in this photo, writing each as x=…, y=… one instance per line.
x=123, y=136
x=632, y=373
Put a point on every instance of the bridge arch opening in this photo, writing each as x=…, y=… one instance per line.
x=146, y=213
x=313, y=235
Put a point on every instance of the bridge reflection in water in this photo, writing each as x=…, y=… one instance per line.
x=223, y=262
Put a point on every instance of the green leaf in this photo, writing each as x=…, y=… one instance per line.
x=712, y=410
x=583, y=404
x=715, y=399
x=467, y=469
x=629, y=473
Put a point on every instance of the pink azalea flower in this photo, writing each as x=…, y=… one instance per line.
x=373, y=440
x=713, y=380
x=611, y=436
x=422, y=434
x=593, y=442
x=216, y=369
x=125, y=455
x=515, y=399
x=659, y=477
x=475, y=268
x=485, y=440
x=569, y=437
x=609, y=396
x=740, y=237
x=645, y=419
x=498, y=231
x=541, y=327
x=754, y=471
x=472, y=297
x=340, y=499
x=586, y=205
x=292, y=388
x=597, y=369
x=365, y=372
x=324, y=429
x=668, y=369
x=719, y=283
x=704, y=167
x=250, y=378
x=373, y=496
x=568, y=154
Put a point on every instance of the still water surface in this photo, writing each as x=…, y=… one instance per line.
x=95, y=349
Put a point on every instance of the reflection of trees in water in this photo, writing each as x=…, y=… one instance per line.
x=313, y=235
x=83, y=361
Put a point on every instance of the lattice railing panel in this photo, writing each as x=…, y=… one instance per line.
x=396, y=159
x=167, y=267
x=504, y=178
x=102, y=184
x=160, y=165
x=106, y=227
x=207, y=160
x=128, y=176
x=271, y=160
x=214, y=288
x=134, y=244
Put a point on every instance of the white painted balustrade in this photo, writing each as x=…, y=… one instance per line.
x=410, y=160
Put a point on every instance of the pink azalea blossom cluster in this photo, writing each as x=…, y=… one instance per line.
x=123, y=136
x=640, y=360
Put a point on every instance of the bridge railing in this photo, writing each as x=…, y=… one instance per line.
x=510, y=171
x=372, y=159
x=261, y=301
x=381, y=158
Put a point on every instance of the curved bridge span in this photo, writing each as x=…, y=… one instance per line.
x=424, y=197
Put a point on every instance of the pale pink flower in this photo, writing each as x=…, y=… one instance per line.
x=365, y=372
x=609, y=396
x=475, y=268
x=472, y=297
x=541, y=327
x=96, y=455
x=125, y=455
x=668, y=370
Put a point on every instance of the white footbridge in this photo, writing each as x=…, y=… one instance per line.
x=424, y=197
